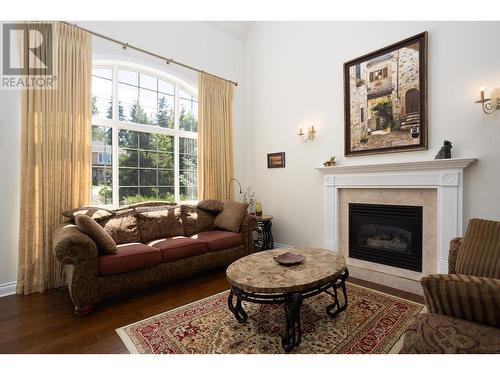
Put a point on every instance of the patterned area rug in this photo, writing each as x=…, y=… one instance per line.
x=372, y=323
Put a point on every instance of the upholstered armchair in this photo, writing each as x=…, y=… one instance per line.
x=464, y=305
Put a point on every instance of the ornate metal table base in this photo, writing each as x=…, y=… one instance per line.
x=292, y=303
x=266, y=240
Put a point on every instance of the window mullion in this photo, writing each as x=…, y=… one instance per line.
x=116, y=193
x=115, y=94
x=114, y=148
x=176, y=144
x=176, y=106
x=147, y=128
x=176, y=169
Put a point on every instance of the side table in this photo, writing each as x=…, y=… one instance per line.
x=265, y=240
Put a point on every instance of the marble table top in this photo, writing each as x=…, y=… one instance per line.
x=259, y=273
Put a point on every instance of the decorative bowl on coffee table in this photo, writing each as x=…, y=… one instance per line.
x=289, y=259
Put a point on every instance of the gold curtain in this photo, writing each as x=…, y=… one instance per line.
x=55, y=156
x=215, y=138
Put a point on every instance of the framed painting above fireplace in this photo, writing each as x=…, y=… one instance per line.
x=385, y=95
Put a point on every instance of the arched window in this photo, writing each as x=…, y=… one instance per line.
x=144, y=136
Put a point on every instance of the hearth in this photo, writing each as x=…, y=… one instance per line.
x=386, y=234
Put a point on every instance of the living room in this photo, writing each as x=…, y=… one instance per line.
x=247, y=183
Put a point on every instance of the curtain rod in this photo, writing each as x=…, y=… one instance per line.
x=166, y=59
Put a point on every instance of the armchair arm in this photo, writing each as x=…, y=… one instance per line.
x=472, y=298
x=455, y=246
x=248, y=225
x=78, y=253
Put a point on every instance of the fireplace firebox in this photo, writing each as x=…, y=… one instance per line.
x=386, y=234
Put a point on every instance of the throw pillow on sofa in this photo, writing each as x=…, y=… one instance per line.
x=96, y=213
x=195, y=220
x=90, y=227
x=159, y=222
x=123, y=227
x=231, y=216
x=210, y=205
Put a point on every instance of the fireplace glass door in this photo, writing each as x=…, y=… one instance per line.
x=386, y=234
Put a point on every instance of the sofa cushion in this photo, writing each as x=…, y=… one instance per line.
x=129, y=257
x=90, y=227
x=434, y=333
x=480, y=251
x=195, y=220
x=179, y=247
x=210, y=205
x=159, y=222
x=96, y=213
x=231, y=216
x=219, y=240
x=123, y=227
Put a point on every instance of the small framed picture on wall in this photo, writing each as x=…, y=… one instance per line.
x=276, y=160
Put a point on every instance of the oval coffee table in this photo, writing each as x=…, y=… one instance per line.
x=258, y=278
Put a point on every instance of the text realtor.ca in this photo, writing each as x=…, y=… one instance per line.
x=32, y=82
x=28, y=58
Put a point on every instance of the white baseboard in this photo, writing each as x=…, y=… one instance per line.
x=7, y=289
x=278, y=245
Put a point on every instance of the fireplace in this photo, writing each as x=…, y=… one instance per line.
x=386, y=234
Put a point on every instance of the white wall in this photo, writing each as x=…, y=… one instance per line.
x=295, y=78
x=193, y=43
x=10, y=138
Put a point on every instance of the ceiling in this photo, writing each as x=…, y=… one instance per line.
x=236, y=29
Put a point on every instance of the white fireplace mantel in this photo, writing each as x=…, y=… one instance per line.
x=444, y=175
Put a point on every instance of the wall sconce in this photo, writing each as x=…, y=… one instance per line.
x=493, y=103
x=310, y=135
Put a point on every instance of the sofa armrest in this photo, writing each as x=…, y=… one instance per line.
x=79, y=255
x=466, y=297
x=455, y=246
x=72, y=246
x=247, y=227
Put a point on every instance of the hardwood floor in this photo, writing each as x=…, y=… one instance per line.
x=45, y=323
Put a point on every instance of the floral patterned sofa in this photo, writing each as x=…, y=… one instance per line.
x=155, y=243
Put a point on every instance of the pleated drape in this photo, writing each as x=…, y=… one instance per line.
x=215, y=138
x=55, y=156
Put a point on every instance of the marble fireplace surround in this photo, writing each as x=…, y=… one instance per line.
x=436, y=185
